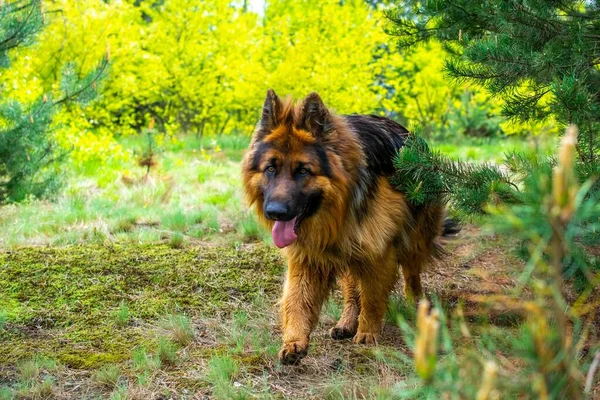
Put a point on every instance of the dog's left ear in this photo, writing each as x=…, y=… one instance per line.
x=315, y=117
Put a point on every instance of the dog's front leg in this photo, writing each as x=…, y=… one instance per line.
x=305, y=290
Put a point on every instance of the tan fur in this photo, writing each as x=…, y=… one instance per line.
x=333, y=244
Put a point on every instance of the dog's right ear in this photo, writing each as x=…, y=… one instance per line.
x=270, y=111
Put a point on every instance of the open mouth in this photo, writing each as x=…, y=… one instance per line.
x=285, y=233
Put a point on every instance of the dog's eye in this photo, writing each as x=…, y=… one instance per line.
x=303, y=171
x=270, y=169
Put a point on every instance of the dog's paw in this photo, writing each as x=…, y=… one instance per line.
x=291, y=353
x=340, y=333
x=365, y=338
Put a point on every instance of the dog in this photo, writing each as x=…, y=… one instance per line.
x=320, y=182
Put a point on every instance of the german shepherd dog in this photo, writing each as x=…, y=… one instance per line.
x=320, y=182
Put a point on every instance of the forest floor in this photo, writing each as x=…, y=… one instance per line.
x=135, y=285
x=152, y=321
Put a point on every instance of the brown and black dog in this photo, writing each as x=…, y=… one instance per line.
x=320, y=182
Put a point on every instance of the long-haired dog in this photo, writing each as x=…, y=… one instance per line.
x=320, y=182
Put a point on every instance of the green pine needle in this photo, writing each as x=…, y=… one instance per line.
x=427, y=177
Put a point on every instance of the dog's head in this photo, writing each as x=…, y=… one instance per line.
x=289, y=170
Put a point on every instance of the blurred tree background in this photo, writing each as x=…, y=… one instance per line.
x=202, y=69
x=540, y=57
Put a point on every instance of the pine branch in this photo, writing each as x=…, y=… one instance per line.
x=91, y=81
x=427, y=177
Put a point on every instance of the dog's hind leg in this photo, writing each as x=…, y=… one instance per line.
x=375, y=286
x=348, y=323
x=306, y=288
x=411, y=272
x=424, y=247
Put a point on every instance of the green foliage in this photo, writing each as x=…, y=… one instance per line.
x=428, y=177
x=528, y=222
x=144, y=364
x=6, y=393
x=222, y=370
x=177, y=240
x=473, y=118
x=3, y=319
x=120, y=393
x=540, y=57
x=28, y=151
x=552, y=214
x=35, y=379
x=202, y=69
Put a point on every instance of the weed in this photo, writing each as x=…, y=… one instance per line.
x=3, y=319
x=176, y=241
x=166, y=351
x=29, y=371
x=122, y=314
x=125, y=225
x=249, y=228
x=333, y=310
x=43, y=390
x=222, y=370
x=120, y=393
x=108, y=376
x=176, y=221
x=239, y=332
x=180, y=328
x=6, y=393
x=144, y=363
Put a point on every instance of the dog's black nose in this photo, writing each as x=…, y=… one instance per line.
x=278, y=211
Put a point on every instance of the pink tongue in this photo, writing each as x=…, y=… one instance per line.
x=283, y=233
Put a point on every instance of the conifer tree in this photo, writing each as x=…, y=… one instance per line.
x=540, y=56
x=28, y=152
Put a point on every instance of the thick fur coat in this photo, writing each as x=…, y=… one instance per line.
x=320, y=182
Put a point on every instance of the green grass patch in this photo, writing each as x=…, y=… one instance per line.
x=122, y=314
x=166, y=351
x=177, y=240
x=222, y=370
x=68, y=290
x=108, y=376
x=180, y=328
x=190, y=191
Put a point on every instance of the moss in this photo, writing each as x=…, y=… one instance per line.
x=60, y=301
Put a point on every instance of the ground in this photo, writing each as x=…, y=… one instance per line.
x=158, y=285
x=155, y=321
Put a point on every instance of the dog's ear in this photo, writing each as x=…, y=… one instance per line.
x=315, y=117
x=270, y=111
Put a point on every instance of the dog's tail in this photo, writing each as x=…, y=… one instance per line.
x=451, y=227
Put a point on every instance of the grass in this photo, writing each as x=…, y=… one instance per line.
x=177, y=240
x=144, y=365
x=34, y=379
x=122, y=314
x=166, y=351
x=108, y=376
x=202, y=320
x=193, y=194
x=221, y=372
x=180, y=328
x=166, y=287
x=186, y=195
